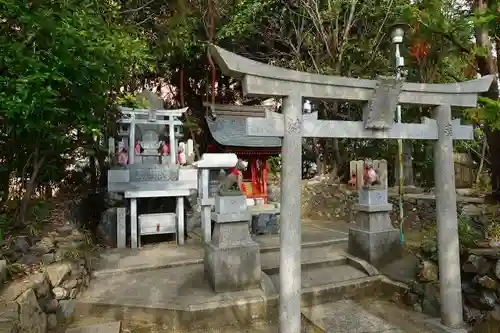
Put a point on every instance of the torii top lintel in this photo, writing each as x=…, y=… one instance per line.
x=264, y=80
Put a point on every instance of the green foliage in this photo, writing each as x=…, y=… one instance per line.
x=244, y=19
x=488, y=113
x=62, y=64
x=467, y=236
x=275, y=163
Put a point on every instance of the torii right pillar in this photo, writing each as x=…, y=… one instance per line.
x=447, y=226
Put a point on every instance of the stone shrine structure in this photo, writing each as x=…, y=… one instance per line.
x=206, y=198
x=380, y=98
x=374, y=239
x=232, y=257
x=149, y=174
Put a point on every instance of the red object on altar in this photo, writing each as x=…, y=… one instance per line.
x=230, y=137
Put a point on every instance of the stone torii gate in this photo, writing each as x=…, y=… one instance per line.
x=381, y=97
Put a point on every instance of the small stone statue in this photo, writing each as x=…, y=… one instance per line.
x=370, y=175
x=232, y=184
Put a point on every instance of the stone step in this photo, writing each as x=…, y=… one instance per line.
x=318, y=256
x=163, y=256
x=367, y=315
x=182, y=297
x=324, y=273
x=111, y=327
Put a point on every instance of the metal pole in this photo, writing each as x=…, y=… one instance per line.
x=290, y=229
x=131, y=138
x=447, y=222
x=171, y=138
x=399, y=64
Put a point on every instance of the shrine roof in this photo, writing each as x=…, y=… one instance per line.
x=232, y=132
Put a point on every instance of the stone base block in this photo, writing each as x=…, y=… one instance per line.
x=376, y=247
x=265, y=224
x=233, y=268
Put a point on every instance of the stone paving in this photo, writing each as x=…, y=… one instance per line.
x=168, y=276
x=165, y=255
x=365, y=316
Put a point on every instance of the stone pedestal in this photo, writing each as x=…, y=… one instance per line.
x=374, y=239
x=232, y=258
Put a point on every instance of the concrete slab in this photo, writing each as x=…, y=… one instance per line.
x=167, y=255
x=366, y=316
x=113, y=327
x=346, y=317
x=436, y=324
x=157, y=256
x=270, y=261
x=324, y=275
x=180, y=288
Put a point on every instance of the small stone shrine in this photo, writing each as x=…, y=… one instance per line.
x=374, y=239
x=232, y=258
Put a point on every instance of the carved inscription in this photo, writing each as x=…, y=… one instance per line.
x=379, y=113
x=144, y=174
x=213, y=183
x=448, y=130
x=293, y=125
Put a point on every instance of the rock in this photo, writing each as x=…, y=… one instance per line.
x=49, y=305
x=57, y=272
x=476, y=264
x=431, y=303
x=9, y=317
x=497, y=269
x=48, y=258
x=471, y=315
x=106, y=229
x=411, y=299
x=77, y=235
x=471, y=210
x=29, y=259
x=21, y=244
x=36, y=282
x=488, y=282
x=428, y=272
x=60, y=293
x=468, y=288
x=488, y=299
x=59, y=255
x=488, y=323
x=52, y=322
x=44, y=246
x=3, y=271
x=429, y=247
x=76, y=270
x=31, y=317
x=66, y=308
x=40, y=285
x=70, y=284
x=488, y=252
x=466, y=192
x=73, y=293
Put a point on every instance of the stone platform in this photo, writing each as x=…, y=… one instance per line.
x=365, y=316
x=165, y=283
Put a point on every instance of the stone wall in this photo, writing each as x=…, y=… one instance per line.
x=323, y=199
x=480, y=272
x=56, y=271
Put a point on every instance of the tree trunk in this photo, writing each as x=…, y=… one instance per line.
x=408, y=179
x=30, y=187
x=4, y=186
x=487, y=65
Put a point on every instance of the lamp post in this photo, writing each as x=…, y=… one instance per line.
x=397, y=39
